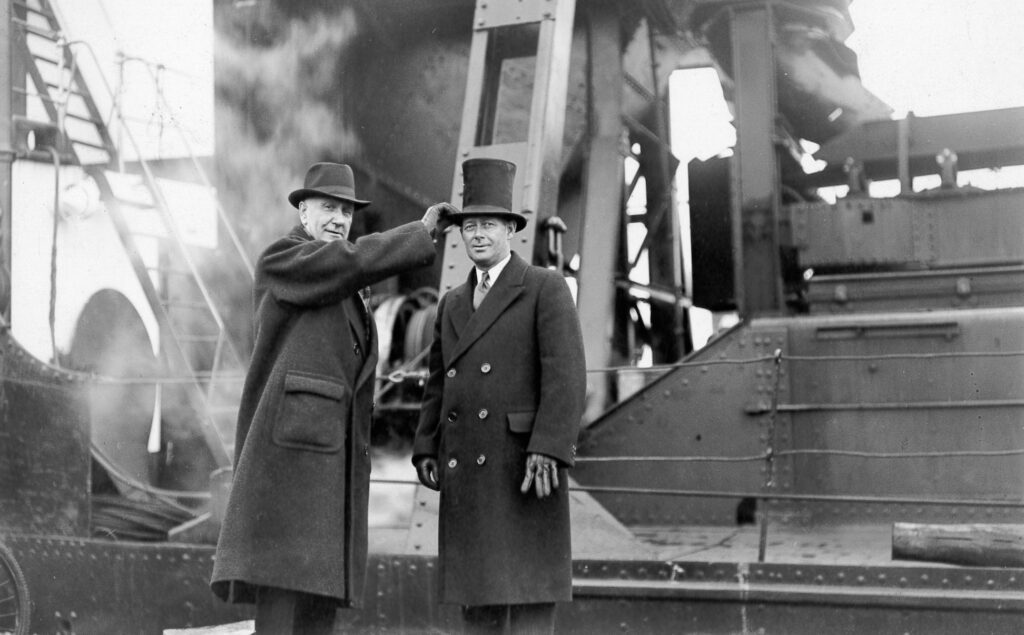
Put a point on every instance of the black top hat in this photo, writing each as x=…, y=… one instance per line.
x=328, y=179
x=487, y=190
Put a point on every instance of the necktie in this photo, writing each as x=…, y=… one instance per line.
x=481, y=289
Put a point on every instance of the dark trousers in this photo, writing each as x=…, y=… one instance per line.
x=284, y=612
x=519, y=619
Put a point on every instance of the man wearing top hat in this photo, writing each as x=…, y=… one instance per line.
x=499, y=422
x=294, y=537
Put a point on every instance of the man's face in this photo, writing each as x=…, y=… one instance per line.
x=487, y=239
x=326, y=218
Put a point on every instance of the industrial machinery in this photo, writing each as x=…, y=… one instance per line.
x=870, y=378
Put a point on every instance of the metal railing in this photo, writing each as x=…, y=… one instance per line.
x=771, y=454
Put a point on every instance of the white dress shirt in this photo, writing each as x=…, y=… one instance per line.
x=494, y=271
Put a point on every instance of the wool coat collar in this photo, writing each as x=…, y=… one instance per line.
x=468, y=324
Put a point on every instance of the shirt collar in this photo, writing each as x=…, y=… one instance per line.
x=496, y=270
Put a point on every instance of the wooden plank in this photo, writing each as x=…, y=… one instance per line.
x=237, y=628
x=983, y=545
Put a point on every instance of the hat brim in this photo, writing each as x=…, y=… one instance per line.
x=489, y=210
x=299, y=195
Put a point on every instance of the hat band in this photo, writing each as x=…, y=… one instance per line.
x=339, y=191
x=485, y=210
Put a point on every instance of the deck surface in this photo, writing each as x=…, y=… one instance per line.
x=837, y=545
x=865, y=545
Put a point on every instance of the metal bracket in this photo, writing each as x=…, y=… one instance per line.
x=496, y=13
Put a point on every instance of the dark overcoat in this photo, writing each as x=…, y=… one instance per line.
x=296, y=515
x=505, y=380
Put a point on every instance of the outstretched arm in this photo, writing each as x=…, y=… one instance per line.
x=315, y=273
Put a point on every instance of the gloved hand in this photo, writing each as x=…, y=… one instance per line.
x=542, y=473
x=437, y=218
x=426, y=470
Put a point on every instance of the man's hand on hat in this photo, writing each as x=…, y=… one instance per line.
x=438, y=217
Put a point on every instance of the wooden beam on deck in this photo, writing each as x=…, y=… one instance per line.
x=980, y=545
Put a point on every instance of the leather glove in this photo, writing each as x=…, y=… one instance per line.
x=426, y=470
x=542, y=473
x=437, y=218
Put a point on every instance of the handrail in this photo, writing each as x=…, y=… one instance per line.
x=808, y=358
x=798, y=452
x=162, y=204
x=824, y=498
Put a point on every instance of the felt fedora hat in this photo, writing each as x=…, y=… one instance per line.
x=487, y=190
x=328, y=179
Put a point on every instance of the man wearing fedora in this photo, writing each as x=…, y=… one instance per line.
x=500, y=417
x=294, y=537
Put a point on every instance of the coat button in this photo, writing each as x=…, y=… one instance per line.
x=355, y=349
x=483, y=413
x=451, y=373
x=481, y=459
x=452, y=416
x=485, y=368
x=452, y=463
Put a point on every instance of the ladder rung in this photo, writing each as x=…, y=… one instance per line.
x=38, y=95
x=43, y=58
x=30, y=9
x=78, y=117
x=49, y=34
x=91, y=145
x=32, y=93
x=76, y=93
x=94, y=122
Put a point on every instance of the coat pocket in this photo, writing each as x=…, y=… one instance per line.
x=312, y=413
x=521, y=421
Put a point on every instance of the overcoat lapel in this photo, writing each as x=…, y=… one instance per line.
x=459, y=305
x=508, y=287
x=367, y=341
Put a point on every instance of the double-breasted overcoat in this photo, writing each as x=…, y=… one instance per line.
x=297, y=513
x=505, y=380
